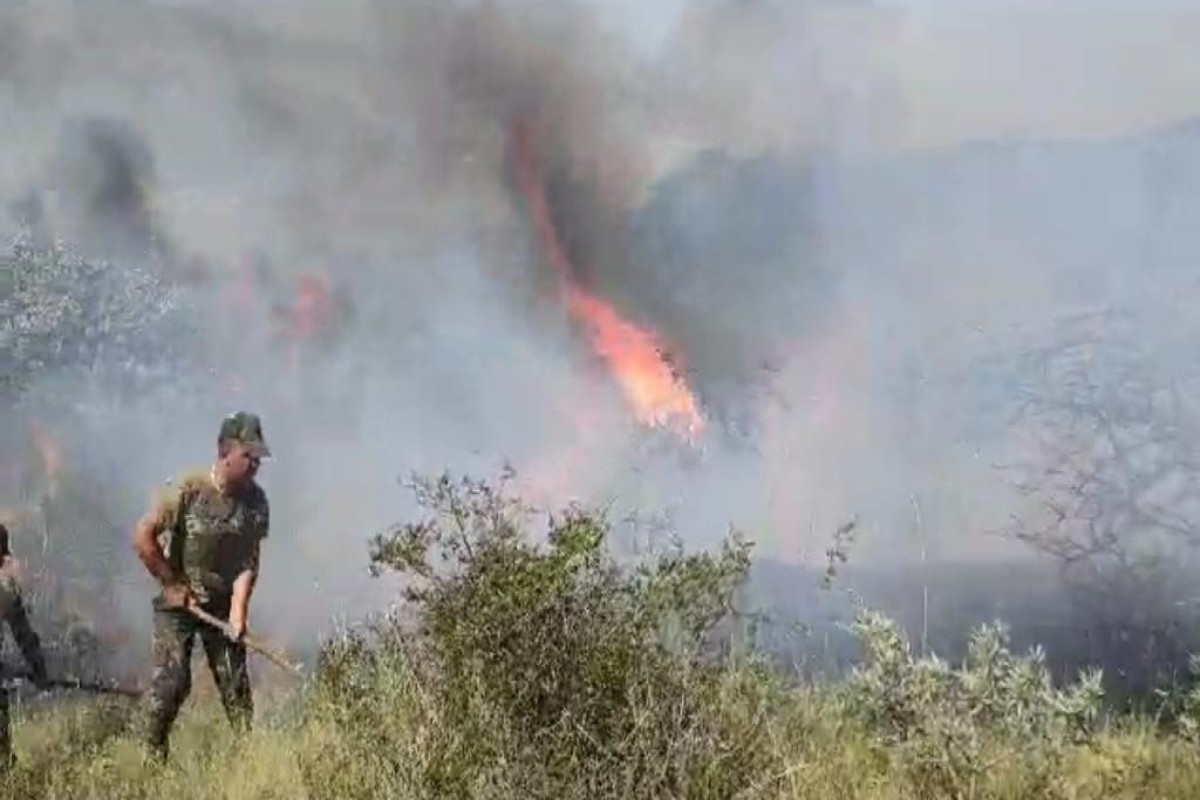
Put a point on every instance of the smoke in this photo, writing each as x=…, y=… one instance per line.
x=102, y=173
x=329, y=193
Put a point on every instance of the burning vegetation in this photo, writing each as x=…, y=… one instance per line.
x=528, y=660
x=657, y=394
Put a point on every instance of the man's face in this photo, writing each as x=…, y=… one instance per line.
x=241, y=463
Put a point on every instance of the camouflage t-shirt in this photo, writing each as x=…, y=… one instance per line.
x=209, y=537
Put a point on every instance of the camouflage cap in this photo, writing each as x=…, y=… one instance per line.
x=246, y=428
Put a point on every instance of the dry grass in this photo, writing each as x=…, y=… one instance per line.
x=82, y=751
x=546, y=670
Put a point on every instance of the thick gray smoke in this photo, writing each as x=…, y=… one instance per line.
x=829, y=213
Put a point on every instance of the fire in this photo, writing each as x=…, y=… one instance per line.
x=311, y=315
x=50, y=454
x=659, y=397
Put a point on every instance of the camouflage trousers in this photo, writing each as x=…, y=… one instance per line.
x=175, y=631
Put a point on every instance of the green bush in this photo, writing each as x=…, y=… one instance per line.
x=557, y=670
x=950, y=726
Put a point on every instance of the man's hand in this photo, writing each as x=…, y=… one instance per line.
x=237, y=625
x=177, y=595
x=239, y=603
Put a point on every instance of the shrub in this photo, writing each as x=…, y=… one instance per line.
x=547, y=668
x=949, y=726
x=123, y=324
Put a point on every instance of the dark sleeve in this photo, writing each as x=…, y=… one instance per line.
x=27, y=638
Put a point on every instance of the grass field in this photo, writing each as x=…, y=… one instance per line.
x=538, y=666
x=814, y=750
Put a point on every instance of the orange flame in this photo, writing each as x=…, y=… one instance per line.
x=50, y=453
x=634, y=356
x=658, y=396
x=312, y=312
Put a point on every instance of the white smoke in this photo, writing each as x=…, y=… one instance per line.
x=364, y=142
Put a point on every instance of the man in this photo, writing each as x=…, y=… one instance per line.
x=201, y=541
x=12, y=611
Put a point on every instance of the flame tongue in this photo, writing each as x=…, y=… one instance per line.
x=50, y=452
x=634, y=356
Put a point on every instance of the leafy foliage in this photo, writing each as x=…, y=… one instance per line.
x=58, y=310
x=554, y=657
x=950, y=724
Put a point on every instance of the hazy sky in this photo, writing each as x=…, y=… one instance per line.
x=939, y=71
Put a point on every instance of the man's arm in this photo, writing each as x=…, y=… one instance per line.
x=27, y=640
x=243, y=587
x=145, y=544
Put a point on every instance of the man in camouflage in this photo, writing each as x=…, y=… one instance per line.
x=12, y=611
x=201, y=541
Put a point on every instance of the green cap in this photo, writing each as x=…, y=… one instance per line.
x=246, y=428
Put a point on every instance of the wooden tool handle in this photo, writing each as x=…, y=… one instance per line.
x=251, y=642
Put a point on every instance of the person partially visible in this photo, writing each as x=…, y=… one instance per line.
x=12, y=612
